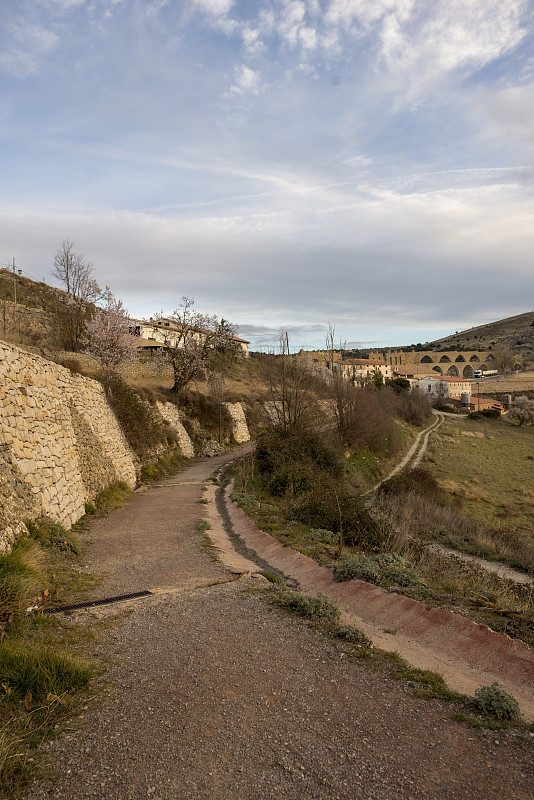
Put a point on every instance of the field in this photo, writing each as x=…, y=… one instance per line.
x=489, y=466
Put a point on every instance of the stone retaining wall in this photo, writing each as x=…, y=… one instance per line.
x=60, y=443
x=240, y=430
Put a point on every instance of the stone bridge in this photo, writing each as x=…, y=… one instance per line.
x=455, y=363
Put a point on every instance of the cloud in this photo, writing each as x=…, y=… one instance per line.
x=512, y=110
x=26, y=47
x=246, y=81
x=214, y=8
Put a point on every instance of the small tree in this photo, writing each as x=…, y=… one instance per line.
x=192, y=340
x=76, y=274
x=107, y=336
x=522, y=410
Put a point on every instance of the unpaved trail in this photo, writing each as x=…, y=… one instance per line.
x=413, y=459
x=415, y=453
x=212, y=694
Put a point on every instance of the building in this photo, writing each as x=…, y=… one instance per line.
x=154, y=333
x=362, y=370
x=444, y=387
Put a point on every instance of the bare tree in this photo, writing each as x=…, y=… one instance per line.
x=107, y=336
x=76, y=274
x=290, y=387
x=191, y=340
x=505, y=359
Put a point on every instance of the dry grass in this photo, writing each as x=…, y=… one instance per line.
x=492, y=475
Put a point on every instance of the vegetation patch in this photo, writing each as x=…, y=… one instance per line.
x=39, y=679
x=145, y=430
x=383, y=569
x=494, y=701
x=321, y=609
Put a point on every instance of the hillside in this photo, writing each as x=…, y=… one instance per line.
x=515, y=333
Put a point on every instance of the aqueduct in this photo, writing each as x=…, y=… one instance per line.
x=455, y=363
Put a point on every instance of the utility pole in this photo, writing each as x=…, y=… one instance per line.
x=14, y=283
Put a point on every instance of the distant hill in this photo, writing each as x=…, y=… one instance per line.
x=514, y=333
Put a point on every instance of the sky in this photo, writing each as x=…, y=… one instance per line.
x=289, y=164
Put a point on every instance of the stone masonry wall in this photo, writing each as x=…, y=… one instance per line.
x=60, y=443
x=239, y=423
x=169, y=412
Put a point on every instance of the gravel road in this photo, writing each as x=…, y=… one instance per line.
x=211, y=693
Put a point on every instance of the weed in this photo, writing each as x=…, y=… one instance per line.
x=319, y=609
x=202, y=525
x=30, y=673
x=351, y=634
x=209, y=548
x=21, y=577
x=53, y=535
x=494, y=701
x=271, y=577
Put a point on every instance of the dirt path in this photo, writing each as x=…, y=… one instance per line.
x=210, y=693
x=415, y=453
x=413, y=458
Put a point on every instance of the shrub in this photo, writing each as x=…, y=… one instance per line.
x=351, y=634
x=317, y=609
x=495, y=701
x=360, y=567
x=292, y=462
x=384, y=567
x=53, y=535
x=413, y=407
x=416, y=481
x=323, y=536
x=144, y=429
x=330, y=506
x=401, y=576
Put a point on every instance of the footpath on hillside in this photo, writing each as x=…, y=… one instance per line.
x=211, y=693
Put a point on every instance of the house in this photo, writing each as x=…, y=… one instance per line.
x=154, y=333
x=443, y=387
x=362, y=370
x=412, y=372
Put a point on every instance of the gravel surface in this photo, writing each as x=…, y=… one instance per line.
x=212, y=693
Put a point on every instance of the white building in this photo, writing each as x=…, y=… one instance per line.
x=157, y=332
x=443, y=387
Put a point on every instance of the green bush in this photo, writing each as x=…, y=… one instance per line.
x=351, y=634
x=497, y=703
x=291, y=462
x=379, y=569
x=401, y=576
x=319, y=609
x=360, y=567
x=323, y=536
x=53, y=535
